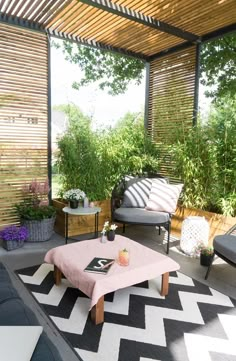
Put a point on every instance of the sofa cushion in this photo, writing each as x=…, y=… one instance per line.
x=164, y=197
x=140, y=215
x=137, y=191
x=7, y=292
x=225, y=245
x=13, y=312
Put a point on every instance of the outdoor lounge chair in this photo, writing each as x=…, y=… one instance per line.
x=128, y=204
x=225, y=248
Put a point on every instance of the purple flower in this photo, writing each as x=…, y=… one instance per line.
x=14, y=233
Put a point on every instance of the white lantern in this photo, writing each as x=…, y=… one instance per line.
x=194, y=230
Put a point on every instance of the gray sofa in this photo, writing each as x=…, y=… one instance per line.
x=128, y=201
x=13, y=312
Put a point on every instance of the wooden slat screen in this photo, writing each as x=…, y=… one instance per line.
x=171, y=100
x=23, y=114
x=75, y=18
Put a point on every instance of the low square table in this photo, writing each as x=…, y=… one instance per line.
x=145, y=264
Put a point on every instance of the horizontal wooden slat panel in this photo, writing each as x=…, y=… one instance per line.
x=23, y=115
x=171, y=101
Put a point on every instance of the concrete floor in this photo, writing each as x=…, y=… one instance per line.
x=222, y=276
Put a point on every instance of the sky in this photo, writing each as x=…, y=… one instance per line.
x=104, y=108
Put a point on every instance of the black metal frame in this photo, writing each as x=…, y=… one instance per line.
x=49, y=150
x=205, y=38
x=147, y=96
x=196, y=85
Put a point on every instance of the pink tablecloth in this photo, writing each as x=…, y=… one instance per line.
x=72, y=259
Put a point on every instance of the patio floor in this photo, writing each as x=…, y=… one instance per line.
x=222, y=276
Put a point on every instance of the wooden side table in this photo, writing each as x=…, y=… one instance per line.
x=81, y=211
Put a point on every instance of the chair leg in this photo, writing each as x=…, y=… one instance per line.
x=209, y=267
x=168, y=237
x=123, y=227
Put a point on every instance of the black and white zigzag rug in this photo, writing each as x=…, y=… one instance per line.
x=193, y=323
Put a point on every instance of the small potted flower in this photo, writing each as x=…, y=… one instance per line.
x=13, y=237
x=206, y=254
x=74, y=196
x=34, y=211
x=109, y=230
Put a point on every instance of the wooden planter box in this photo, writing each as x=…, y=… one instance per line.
x=80, y=224
x=219, y=224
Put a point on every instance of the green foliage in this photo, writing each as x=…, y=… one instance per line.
x=95, y=160
x=207, y=251
x=112, y=71
x=218, y=64
x=34, y=213
x=205, y=159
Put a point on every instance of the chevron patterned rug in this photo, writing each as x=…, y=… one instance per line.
x=193, y=323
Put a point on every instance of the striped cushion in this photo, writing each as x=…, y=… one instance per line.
x=164, y=197
x=137, y=192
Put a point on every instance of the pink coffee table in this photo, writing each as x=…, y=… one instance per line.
x=145, y=264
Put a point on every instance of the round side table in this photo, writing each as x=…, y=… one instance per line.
x=82, y=211
x=194, y=230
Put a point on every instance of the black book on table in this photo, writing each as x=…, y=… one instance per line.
x=100, y=265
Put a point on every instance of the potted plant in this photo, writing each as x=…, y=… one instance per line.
x=13, y=237
x=74, y=196
x=206, y=255
x=35, y=213
x=109, y=230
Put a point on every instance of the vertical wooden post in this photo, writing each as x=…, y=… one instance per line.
x=97, y=312
x=165, y=284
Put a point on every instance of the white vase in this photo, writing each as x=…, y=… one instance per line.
x=86, y=202
x=103, y=238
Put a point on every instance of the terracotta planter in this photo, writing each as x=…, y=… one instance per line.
x=80, y=224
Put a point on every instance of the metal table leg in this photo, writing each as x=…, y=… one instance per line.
x=66, y=239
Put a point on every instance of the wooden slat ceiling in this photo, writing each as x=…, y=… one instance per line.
x=87, y=22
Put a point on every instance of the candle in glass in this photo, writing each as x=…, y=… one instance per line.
x=123, y=257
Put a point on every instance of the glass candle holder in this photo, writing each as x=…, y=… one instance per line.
x=123, y=257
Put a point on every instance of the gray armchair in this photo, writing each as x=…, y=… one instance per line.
x=225, y=248
x=132, y=210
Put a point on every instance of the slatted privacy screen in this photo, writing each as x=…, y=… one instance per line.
x=23, y=114
x=171, y=100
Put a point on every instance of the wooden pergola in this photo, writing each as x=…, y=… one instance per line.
x=165, y=34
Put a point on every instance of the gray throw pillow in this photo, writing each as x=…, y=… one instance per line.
x=137, y=192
